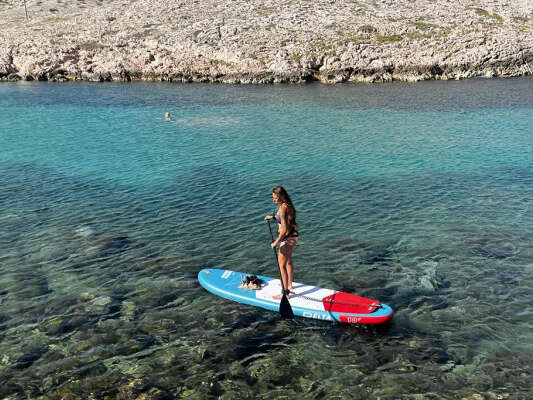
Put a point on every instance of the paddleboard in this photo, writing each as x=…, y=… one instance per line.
x=307, y=301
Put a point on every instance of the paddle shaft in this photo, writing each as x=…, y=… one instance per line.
x=275, y=254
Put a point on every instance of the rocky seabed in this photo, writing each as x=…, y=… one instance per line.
x=258, y=41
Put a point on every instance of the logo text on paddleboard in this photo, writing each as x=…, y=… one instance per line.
x=350, y=319
x=226, y=274
x=316, y=315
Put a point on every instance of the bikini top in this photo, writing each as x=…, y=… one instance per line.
x=292, y=232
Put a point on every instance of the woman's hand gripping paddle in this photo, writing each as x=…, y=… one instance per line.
x=285, y=308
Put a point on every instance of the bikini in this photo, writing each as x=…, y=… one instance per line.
x=291, y=238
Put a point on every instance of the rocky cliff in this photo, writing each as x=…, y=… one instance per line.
x=264, y=41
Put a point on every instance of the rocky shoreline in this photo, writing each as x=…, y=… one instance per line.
x=261, y=41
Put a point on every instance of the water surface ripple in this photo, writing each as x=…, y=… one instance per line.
x=419, y=195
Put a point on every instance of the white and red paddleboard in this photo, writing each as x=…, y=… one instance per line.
x=307, y=301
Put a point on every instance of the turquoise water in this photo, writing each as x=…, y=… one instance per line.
x=419, y=195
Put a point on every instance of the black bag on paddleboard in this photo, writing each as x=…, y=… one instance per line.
x=251, y=282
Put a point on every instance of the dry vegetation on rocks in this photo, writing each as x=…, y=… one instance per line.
x=263, y=41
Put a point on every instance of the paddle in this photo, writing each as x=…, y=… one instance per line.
x=285, y=308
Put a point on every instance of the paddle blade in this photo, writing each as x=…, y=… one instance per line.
x=285, y=308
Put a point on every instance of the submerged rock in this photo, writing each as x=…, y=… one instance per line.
x=134, y=345
x=10, y=390
x=497, y=246
x=127, y=310
x=433, y=281
x=495, y=250
x=62, y=325
x=84, y=232
x=29, y=358
x=51, y=244
x=429, y=279
x=377, y=256
x=348, y=245
x=98, y=305
x=109, y=244
x=28, y=283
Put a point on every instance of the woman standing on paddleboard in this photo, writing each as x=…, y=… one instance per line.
x=287, y=235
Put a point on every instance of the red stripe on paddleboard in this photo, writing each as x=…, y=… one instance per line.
x=342, y=302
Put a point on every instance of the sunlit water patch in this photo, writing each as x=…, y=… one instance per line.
x=417, y=195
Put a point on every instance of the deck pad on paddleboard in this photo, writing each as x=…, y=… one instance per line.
x=307, y=301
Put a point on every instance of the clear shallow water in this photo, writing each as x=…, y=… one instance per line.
x=418, y=195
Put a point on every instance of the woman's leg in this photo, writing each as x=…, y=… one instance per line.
x=285, y=266
x=282, y=261
x=287, y=250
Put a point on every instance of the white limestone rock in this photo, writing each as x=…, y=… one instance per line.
x=253, y=41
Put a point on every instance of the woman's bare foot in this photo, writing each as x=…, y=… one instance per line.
x=279, y=296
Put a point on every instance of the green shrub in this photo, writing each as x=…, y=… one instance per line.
x=368, y=29
x=483, y=13
x=423, y=26
x=428, y=31
x=296, y=57
x=144, y=34
x=91, y=45
x=386, y=38
x=352, y=37
x=520, y=20
x=215, y=61
x=445, y=31
x=417, y=35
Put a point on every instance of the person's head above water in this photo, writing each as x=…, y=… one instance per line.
x=167, y=116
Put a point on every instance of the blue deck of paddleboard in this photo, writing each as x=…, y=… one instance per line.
x=224, y=283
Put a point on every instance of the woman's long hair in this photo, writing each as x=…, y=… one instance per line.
x=291, y=211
